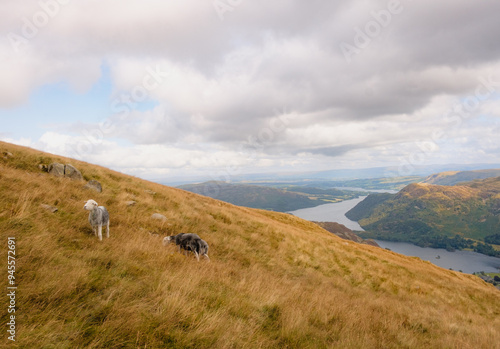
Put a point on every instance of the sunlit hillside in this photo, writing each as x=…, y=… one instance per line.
x=452, y=217
x=274, y=280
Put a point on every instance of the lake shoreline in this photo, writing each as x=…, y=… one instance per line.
x=460, y=260
x=465, y=261
x=326, y=212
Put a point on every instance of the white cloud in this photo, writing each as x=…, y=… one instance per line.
x=221, y=83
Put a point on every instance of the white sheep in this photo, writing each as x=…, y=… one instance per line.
x=98, y=217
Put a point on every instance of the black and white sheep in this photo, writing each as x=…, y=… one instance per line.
x=189, y=242
x=98, y=217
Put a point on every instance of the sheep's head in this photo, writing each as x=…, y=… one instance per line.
x=90, y=205
x=167, y=240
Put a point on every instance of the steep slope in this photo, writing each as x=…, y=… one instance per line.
x=274, y=280
x=433, y=215
x=455, y=177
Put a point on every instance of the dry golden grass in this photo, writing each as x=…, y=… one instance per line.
x=274, y=280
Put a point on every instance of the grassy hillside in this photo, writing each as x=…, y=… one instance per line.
x=366, y=207
x=433, y=215
x=268, y=198
x=274, y=280
x=455, y=177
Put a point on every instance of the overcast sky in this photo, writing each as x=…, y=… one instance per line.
x=161, y=89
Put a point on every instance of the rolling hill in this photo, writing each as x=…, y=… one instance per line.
x=274, y=280
x=366, y=207
x=434, y=215
x=268, y=198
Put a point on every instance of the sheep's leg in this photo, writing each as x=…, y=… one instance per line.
x=197, y=255
x=206, y=256
x=183, y=250
x=107, y=230
x=99, y=232
x=94, y=229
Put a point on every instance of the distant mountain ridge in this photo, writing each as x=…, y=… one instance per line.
x=455, y=177
x=337, y=174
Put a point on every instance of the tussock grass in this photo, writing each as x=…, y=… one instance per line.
x=274, y=280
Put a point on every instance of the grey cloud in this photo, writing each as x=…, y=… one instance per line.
x=333, y=151
x=453, y=33
x=289, y=51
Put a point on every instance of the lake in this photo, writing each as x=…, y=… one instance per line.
x=466, y=261
x=334, y=212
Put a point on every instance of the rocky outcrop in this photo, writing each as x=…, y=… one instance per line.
x=94, y=185
x=69, y=171
x=56, y=169
x=43, y=167
x=7, y=155
x=49, y=208
x=60, y=170
x=72, y=172
x=158, y=216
